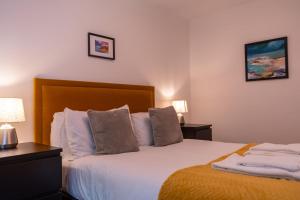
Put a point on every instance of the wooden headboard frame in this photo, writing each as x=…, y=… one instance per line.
x=52, y=96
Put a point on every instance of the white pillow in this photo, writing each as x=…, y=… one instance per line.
x=79, y=133
x=58, y=136
x=122, y=107
x=56, y=126
x=142, y=128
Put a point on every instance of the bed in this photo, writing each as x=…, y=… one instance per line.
x=128, y=176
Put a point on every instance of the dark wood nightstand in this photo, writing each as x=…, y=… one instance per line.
x=31, y=171
x=197, y=131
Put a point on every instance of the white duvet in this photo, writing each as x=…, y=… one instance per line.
x=137, y=175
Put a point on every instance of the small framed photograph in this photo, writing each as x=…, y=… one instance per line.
x=267, y=59
x=101, y=46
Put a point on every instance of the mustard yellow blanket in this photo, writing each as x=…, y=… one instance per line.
x=205, y=183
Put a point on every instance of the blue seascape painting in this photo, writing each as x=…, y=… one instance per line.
x=266, y=60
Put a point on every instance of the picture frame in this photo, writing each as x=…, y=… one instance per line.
x=267, y=59
x=101, y=46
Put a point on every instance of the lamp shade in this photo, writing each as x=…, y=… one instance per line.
x=11, y=110
x=180, y=106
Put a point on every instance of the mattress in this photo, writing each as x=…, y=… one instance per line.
x=137, y=175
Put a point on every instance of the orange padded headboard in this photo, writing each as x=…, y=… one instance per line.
x=54, y=95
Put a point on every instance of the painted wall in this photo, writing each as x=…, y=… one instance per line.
x=264, y=111
x=49, y=39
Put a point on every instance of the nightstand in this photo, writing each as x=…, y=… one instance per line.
x=197, y=131
x=31, y=171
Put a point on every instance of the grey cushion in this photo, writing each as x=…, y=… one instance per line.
x=112, y=131
x=165, y=126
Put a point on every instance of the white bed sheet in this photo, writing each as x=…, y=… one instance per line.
x=137, y=175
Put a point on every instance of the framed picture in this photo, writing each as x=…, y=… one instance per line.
x=101, y=46
x=267, y=59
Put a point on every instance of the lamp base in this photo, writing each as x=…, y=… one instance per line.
x=8, y=146
x=8, y=138
x=180, y=119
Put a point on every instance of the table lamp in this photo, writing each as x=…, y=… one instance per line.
x=11, y=110
x=180, y=107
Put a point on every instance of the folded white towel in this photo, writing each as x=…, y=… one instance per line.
x=269, y=153
x=288, y=148
x=289, y=163
x=230, y=164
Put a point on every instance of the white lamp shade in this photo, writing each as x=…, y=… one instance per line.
x=180, y=106
x=11, y=110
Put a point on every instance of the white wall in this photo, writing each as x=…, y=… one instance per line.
x=245, y=111
x=49, y=39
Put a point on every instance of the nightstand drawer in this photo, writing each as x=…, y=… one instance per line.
x=30, y=179
x=200, y=134
x=205, y=134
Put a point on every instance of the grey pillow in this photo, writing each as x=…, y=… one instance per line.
x=165, y=126
x=112, y=131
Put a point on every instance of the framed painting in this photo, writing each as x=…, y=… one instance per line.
x=101, y=46
x=267, y=59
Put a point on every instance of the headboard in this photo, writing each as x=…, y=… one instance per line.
x=52, y=96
